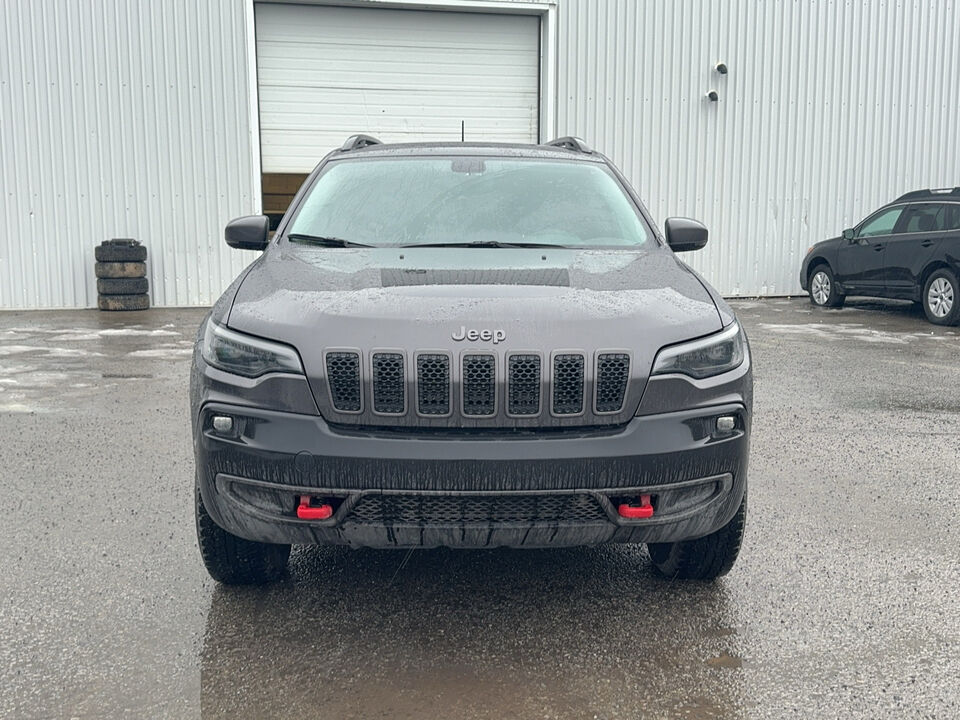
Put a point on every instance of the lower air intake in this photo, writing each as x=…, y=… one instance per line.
x=458, y=509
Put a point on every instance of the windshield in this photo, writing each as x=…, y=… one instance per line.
x=468, y=200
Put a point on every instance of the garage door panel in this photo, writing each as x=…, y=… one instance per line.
x=326, y=72
x=467, y=44
x=390, y=58
x=399, y=102
x=398, y=74
x=287, y=155
x=407, y=28
x=359, y=119
x=400, y=129
x=413, y=80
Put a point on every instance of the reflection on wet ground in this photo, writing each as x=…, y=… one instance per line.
x=569, y=633
x=845, y=601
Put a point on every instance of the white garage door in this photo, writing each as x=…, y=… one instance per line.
x=325, y=73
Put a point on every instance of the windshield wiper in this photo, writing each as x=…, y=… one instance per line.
x=324, y=241
x=484, y=244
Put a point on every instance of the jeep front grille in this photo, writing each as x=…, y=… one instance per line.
x=479, y=385
x=523, y=385
x=389, y=383
x=613, y=369
x=343, y=374
x=567, y=384
x=433, y=384
x=492, y=389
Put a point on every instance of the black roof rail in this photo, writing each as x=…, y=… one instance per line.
x=569, y=142
x=928, y=194
x=355, y=142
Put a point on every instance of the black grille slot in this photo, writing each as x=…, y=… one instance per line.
x=613, y=370
x=567, y=384
x=458, y=509
x=388, y=383
x=433, y=384
x=523, y=385
x=343, y=376
x=479, y=385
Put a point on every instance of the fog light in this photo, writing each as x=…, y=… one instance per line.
x=223, y=424
x=726, y=423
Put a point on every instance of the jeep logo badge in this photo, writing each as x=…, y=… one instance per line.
x=497, y=336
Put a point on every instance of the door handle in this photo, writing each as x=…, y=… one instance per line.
x=878, y=247
x=926, y=243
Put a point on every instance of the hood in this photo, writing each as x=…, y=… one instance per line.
x=418, y=297
x=825, y=243
x=453, y=300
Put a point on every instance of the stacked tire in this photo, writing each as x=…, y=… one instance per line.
x=121, y=271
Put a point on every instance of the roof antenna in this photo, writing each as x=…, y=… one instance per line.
x=462, y=122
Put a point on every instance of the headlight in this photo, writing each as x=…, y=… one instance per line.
x=705, y=357
x=246, y=355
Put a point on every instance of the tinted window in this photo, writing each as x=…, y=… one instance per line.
x=882, y=223
x=925, y=217
x=470, y=199
x=950, y=217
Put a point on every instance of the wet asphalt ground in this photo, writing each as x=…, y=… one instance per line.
x=845, y=601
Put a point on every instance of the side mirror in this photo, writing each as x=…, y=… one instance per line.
x=684, y=234
x=248, y=233
x=848, y=234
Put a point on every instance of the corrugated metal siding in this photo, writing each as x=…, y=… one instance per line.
x=121, y=119
x=129, y=118
x=829, y=110
x=403, y=75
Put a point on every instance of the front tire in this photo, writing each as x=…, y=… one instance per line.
x=823, y=288
x=705, y=558
x=941, y=298
x=233, y=560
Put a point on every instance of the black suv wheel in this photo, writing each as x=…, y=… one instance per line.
x=941, y=298
x=233, y=560
x=823, y=288
x=705, y=558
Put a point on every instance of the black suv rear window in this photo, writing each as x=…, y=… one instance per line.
x=950, y=218
x=922, y=218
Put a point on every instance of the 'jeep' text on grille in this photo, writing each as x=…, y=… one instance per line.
x=497, y=336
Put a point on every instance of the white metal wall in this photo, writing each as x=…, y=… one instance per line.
x=829, y=110
x=325, y=73
x=121, y=118
x=131, y=118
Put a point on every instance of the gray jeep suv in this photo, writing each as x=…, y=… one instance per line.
x=469, y=345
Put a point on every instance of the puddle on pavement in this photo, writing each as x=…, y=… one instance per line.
x=51, y=366
x=725, y=660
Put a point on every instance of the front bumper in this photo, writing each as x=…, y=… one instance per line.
x=805, y=274
x=472, y=489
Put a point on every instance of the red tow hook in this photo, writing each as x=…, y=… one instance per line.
x=636, y=512
x=306, y=512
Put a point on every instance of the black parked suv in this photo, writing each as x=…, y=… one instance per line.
x=469, y=345
x=908, y=249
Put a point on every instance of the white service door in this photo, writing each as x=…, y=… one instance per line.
x=325, y=73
